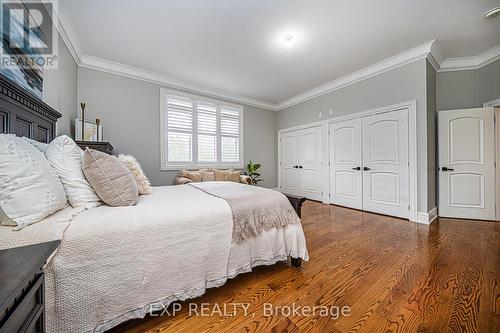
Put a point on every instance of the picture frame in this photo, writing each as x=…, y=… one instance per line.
x=92, y=131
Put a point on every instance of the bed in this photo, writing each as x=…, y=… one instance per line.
x=120, y=263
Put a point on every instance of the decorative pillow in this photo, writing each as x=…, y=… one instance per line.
x=110, y=178
x=135, y=169
x=207, y=176
x=30, y=190
x=66, y=158
x=232, y=176
x=195, y=176
x=220, y=175
x=40, y=145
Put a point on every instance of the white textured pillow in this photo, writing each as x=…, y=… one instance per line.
x=30, y=189
x=40, y=145
x=66, y=158
x=135, y=169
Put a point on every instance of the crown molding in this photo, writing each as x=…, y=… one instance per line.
x=116, y=68
x=65, y=33
x=399, y=60
x=468, y=63
x=435, y=55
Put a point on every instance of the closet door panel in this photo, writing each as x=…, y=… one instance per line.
x=311, y=162
x=385, y=163
x=290, y=177
x=345, y=159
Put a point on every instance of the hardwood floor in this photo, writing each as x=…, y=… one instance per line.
x=395, y=276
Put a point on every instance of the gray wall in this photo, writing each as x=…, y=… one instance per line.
x=130, y=113
x=431, y=136
x=468, y=89
x=399, y=85
x=60, y=89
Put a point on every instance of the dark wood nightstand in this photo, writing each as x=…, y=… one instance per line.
x=105, y=147
x=296, y=202
x=22, y=302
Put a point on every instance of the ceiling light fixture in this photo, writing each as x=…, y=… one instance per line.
x=492, y=12
x=288, y=38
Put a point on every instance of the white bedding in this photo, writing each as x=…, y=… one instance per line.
x=114, y=262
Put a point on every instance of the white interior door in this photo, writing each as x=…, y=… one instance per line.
x=385, y=163
x=466, y=161
x=346, y=188
x=289, y=167
x=311, y=162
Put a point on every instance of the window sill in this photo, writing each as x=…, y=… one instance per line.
x=197, y=167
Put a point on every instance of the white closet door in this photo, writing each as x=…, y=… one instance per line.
x=466, y=161
x=311, y=162
x=385, y=163
x=289, y=168
x=346, y=188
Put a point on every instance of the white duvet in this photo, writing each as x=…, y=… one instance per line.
x=114, y=262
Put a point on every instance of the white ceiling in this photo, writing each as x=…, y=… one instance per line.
x=237, y=46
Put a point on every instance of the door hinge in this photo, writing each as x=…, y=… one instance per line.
x=408, y=207
x=321, y=193
x=329, y=194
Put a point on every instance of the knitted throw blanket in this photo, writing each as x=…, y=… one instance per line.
x=254, y=209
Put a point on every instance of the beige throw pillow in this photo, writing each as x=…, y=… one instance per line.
x=135, y=169
x=109, y=178
x=232, y=176
x=220, y=175
x=195, y=176
x=207, y=176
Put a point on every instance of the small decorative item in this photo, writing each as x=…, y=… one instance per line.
x=98, y=123
x=82, y=105
x=251, y=171
x=91, y=131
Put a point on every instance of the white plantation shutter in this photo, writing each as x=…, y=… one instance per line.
x=198, y=132
x=230, y=134
x=179, y=129
x=207, y=132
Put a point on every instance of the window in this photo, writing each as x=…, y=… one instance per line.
x=199, y=132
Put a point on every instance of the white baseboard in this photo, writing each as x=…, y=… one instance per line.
x=427, y=218
x=274, y=188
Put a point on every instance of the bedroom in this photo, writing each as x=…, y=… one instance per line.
x=249, y=166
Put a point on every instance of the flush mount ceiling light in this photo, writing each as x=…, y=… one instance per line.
x=288, y=38
x=492, y=12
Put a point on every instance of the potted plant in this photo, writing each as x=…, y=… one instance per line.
x=252, y=172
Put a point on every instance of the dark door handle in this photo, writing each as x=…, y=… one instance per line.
x=295, y=166
x=366, y=168
x=300, y=166
x=357, y=168
x=447, y=169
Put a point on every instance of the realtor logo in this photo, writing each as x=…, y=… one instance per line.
x=29, y=37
